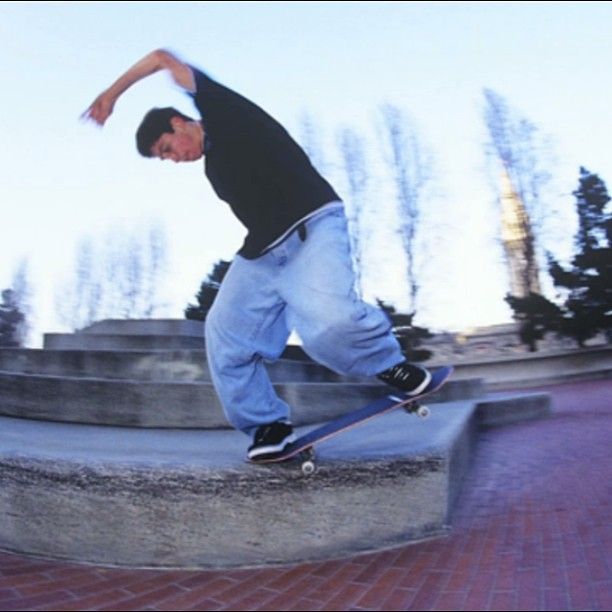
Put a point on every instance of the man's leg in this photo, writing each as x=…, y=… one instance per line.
x=337, y=328
x=245, y=326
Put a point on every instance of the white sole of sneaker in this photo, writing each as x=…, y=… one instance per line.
x=271, y=448
x=422, y=386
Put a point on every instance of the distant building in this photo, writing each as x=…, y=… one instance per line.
x=519, y=243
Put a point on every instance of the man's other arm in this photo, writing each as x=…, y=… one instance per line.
x=160, y=59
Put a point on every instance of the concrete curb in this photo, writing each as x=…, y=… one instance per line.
x=505, y=409
x=177, y=405
x=538, y=369
x=153, y=366
x=116, y=342
x=164, y=498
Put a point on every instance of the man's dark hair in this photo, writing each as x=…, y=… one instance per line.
x=155, y=123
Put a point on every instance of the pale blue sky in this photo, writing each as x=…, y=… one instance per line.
x=338, y=61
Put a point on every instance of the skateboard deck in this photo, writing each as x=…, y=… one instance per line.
x=304, y=444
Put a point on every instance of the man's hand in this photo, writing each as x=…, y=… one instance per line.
x=100, y=109
x=160, y=59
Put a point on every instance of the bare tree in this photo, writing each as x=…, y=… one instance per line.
x=113, y=247
x=410, y=165
x=78, y=302
x=517, y=149
x=91, y=288
x=157, y=249
x=352, y=151
x=132, y=274
x=116, y=277
x=137, y=262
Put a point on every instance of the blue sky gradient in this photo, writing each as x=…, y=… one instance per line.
x=336, y=61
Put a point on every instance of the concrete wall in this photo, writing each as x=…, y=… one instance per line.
x=535, y=369
x=178, y=405
x=187, y=499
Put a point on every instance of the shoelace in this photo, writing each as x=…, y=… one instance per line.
x=262, y=433
x=265, y=430
x=396, y=373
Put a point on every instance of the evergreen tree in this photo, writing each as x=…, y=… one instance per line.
x=208, y=292
x=409, y=337
x=587, y=283
x=11, y=320
x=536, y=316
x=22, y=298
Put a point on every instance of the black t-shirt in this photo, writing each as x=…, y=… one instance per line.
x=255, y=166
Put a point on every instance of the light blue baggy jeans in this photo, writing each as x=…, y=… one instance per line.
x=303, y=285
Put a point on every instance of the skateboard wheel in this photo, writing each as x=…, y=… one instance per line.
x=308, y=468
x=423, y=412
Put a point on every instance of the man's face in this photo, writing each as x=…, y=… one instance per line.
x=183, y=145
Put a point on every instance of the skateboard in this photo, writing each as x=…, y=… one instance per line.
x=304, y=445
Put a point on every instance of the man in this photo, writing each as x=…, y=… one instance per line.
x=294, y=270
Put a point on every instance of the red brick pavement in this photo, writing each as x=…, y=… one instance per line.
x=531, y=531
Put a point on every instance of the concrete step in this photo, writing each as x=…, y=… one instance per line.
x=141, y=335
x=154, y=365
x=138, y=342
x=167, y=498
x=120, y=342
x=131, y=334
x=538, y=369
x=179, y=405
x=146, y=327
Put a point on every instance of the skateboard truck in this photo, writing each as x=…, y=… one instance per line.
x=307, y=456
x=414, y=407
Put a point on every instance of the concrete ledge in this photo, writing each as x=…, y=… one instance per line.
x=146, y=327
x=84, y=341
x=537, y=369
x=154, y=365
x=187, y=499
x=505, y=409
x=154, y=405
x=139, y=334
x=177, y=405
x=180, y=498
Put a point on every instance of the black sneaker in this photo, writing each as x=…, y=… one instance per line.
x=409, y=378
x=269, y=440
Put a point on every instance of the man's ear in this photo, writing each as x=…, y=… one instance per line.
x=177, y=123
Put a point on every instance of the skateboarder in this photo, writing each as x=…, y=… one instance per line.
x=294, y=270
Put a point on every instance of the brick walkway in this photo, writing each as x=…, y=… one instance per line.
x=532, y=531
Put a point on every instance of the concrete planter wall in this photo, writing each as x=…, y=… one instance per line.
x=540, y=368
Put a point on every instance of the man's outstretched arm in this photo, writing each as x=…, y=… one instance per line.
x=160, y=59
